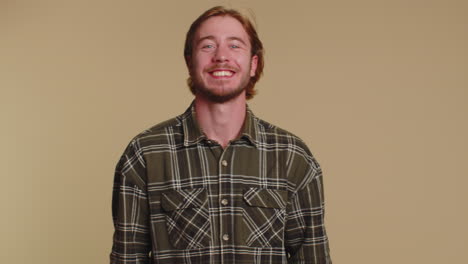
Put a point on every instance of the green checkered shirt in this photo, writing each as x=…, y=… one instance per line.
x=179, y=197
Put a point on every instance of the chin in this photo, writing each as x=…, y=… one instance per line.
x=218, y=96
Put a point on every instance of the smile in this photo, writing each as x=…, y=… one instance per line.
x=222, y=73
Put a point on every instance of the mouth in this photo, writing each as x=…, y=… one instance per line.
x=222, y=73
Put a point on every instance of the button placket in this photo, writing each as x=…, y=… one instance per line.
x=224, y=195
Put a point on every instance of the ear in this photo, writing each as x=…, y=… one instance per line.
x=253, y=65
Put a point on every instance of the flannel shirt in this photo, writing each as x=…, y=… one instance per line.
x=179, y=197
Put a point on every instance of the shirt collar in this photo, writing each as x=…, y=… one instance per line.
x=194, y=134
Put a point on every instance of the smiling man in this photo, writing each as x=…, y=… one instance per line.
x=217, y=184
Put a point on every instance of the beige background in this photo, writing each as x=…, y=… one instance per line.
x=378, y=90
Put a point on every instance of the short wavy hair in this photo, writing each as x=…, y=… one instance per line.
x=255, y=43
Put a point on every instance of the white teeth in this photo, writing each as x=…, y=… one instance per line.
x=222, y=73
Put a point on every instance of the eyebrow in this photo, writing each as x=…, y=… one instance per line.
x=210, y=37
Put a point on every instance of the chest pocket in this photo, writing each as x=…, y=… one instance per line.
x=264, y=217
x=187, y=218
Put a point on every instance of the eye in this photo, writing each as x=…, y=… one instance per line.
x=208, y=46
x=234, y=46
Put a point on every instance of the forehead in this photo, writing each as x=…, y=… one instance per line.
x=221, y=27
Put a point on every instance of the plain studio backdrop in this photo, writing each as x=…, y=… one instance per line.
x=377, y=89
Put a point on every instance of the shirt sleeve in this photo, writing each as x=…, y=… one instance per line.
x=130, y=210
x=306, y=241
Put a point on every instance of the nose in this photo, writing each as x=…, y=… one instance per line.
x=221, y=55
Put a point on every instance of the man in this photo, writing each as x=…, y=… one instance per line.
x=217, y=184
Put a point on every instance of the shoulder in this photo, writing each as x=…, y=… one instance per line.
x=158, y=134
x=271, y=134
x=300, y=164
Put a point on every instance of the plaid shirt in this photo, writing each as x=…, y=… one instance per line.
x=179, y=197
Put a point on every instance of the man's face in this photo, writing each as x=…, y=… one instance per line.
x=221, y=64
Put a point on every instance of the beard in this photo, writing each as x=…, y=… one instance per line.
x=218, y=94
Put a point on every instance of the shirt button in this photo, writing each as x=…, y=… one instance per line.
x=224, y=202
x=224, y=163
x=225, y=237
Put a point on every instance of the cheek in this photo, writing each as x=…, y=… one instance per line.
x=198, y=63
x=197, y=68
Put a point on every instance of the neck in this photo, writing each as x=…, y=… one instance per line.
x=221, y=122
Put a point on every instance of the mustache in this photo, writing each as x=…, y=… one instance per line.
x=222, y=66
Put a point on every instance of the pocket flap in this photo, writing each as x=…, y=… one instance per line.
x=268, y=198
x=182, y=199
